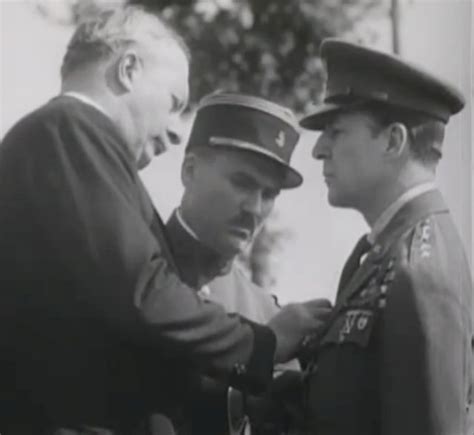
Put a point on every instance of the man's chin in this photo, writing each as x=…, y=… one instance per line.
x=226, y=248
x=333, y=197
x=143, y=161
x=147, y=156
x=235, y=247
x=339, y=201
x=335, y=201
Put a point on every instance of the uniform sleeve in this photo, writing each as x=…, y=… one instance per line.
x=238, y=294
x=424, y=343
x=86, y=203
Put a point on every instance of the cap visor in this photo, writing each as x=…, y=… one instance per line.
x=292, y=178
x=321, y=116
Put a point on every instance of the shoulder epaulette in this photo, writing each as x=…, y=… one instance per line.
x=421, y=243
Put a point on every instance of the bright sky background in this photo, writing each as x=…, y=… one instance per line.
x=435, y=33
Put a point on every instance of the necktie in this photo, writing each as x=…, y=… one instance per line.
x=353, y=262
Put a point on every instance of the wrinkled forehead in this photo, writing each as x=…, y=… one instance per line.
x=165, y=50
x=166, y=53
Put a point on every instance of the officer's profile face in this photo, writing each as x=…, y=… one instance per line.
x=353, y=163
x=228, y=195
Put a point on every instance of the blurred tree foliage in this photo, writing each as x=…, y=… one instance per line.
x=262, y=47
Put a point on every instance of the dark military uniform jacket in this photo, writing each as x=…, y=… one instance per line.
x=222, y=282
x=228, y=285
x=396, y=359
x=93, y=316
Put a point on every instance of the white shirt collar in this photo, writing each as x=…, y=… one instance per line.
x=183, y=223
x=384, y=219
x=86, y=100
x=205, y=291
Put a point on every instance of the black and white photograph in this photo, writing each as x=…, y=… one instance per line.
x=236, y=217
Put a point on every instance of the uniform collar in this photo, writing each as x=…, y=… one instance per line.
x=415, y=210
x=184, y=224
x=197, y=263
x=388, y=214
x=86, y=100
x=412, y=211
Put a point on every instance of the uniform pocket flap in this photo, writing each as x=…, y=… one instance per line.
x=351, y=326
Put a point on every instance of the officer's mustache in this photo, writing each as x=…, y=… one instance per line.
x=245, y=221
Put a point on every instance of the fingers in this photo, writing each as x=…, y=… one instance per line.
x=315, y=304
x=296, y=321
x=319, y=310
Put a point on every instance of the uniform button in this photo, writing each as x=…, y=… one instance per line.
x=377, y=249
x=240, y=369
x=390, y=276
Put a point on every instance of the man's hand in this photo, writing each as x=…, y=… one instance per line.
x=296, y=321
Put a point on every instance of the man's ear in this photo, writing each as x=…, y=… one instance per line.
x=397, y=139
x=188, y=169
x=129, y=67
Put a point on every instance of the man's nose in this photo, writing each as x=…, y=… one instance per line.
x=253, y=203
x=321, y=148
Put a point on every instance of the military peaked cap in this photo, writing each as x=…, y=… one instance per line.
x=251, y=124
x=357, y=74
